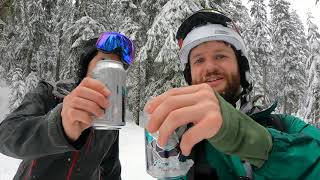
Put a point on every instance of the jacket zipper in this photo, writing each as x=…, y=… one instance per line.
x=75, y=156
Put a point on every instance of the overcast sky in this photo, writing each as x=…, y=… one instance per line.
x=302, y=7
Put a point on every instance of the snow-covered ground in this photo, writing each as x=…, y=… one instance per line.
x=132, y=153
x=8, y=167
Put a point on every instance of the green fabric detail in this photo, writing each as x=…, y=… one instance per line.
x=237, y=163
x=299, y=126
x=239, y=133
x=296, y=155
x=222, y=163
x=265, y=113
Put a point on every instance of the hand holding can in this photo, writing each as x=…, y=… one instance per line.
x=112, y=74
x=168, y=161
x=87, y=100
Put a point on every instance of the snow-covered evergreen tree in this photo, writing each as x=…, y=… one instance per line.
x=159, y=56
x=27, y=35
x=296, y=75
x=240, y=15
x=312, y=101
x=45, y=38
x=75, y=37
x=31, y=81
x=2, y=76
x=260, y=49
x=135, y=27
x=62, y=18
x=17, y=88
x=288, y=68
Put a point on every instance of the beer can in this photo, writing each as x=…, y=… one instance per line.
x=112, y=74
x=166, y=162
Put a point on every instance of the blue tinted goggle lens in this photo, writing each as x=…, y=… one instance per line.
x=113, y=42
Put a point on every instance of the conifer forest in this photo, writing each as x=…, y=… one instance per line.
x=43, y=39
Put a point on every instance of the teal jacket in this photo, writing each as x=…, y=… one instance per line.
x=268, y=152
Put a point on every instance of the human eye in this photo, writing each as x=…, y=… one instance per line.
x=220, y=56
x=198, y=61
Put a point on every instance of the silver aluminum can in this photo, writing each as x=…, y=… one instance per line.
x=112, y=74
x=166, y=162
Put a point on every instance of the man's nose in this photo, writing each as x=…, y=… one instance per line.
x=211, y=65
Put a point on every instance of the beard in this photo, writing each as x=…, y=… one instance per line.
x=231, y=93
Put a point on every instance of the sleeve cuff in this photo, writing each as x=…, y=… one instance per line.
x=57, y=134
x=55, y=129
x=240, y=135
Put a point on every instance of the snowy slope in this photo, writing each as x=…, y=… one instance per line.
x=8, y=167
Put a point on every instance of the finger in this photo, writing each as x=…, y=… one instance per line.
x=81, y=117
x=79, y=129
x=87, y=105
x=177, y=118
x=155, y=102
x=84, y=126
x=169, y=105
x=203, y=130
x=95, y=85
x=92, y=95
x=175, y=102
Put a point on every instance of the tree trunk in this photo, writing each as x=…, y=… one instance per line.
x=58, y=57
x=29, y=61
x=285, y=103
x=264, y=84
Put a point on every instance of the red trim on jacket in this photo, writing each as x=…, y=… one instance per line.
x=75, y=156
x=89, y=141
x=33, y=164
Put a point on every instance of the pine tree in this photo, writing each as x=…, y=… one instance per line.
x=239, y=14
x=135, y=27
x=31, y=81
x=62, y=18
x=27, y=35
x=75, y=37
x=260, y=49
x=159, y=56
x=17, y=88
x=15, y=37
x=312, y=103
x=296, y=76
x=287, y=65
x=2, y=76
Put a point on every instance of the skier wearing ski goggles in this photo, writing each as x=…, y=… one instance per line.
x=55, y=120
x=116, y=43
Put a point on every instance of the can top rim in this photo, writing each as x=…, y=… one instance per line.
x=110, y=61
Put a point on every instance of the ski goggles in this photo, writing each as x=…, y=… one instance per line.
x=203, y=17
x=116, y=43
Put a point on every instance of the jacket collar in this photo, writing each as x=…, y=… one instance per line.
x=64, y=87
